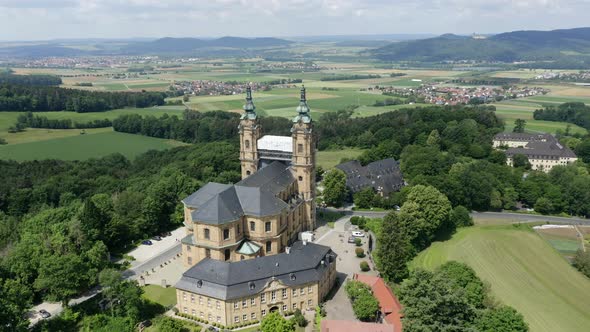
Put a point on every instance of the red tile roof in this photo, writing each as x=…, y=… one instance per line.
x=390, y=306
x=354, y=326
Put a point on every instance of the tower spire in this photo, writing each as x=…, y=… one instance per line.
x=303, y=109
x=249, y=106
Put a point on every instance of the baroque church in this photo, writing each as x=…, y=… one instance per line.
x=243, y=257
x=264, y=212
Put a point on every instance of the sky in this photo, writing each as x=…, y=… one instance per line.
x=56, y=19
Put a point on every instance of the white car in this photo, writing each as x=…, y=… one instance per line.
x=358, y=234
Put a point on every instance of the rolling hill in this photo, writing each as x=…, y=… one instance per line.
x=183, y=45
x=555, y=45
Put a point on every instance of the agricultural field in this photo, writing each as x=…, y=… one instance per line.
x=523, y=270
x=329, y=158
x=90, y=145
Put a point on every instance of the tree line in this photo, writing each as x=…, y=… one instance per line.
x=60, y=220
x=7, y=77
x=573, y=112
x=22, y=98
x=29, y=120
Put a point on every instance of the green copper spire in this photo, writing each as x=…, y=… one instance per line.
x=249, y=106
x=303, y=110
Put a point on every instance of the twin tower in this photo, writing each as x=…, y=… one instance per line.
x=296, y=151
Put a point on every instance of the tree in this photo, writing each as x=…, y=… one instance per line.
x=168, y=324
x=543, y=205
x=299, y=319
x=581, y=262
x=465, y=279
x=14, y=301
x=426, y=212
x=61, y=277
x=460, y=217
x=433, y=139
x=502, y=319
x=519, y=125
x=509, y=198
x=275, y=322
x=335, y=188
x=366, y=307
x=520, y=160
x=394, y=249
x=364, y=198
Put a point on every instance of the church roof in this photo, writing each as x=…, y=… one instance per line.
x=276, y=143
x=217, y=203
x=231, y=280
x=383, y=175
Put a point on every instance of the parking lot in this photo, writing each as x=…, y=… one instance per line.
x=338, y=306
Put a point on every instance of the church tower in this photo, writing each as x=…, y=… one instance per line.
x=249, y=130
x=303, y=162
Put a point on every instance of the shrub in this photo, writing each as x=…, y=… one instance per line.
x=365, y=266
x=299, y=319
x=358, y=242
x=360, y=252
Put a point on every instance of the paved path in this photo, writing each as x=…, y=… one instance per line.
x=150, y=257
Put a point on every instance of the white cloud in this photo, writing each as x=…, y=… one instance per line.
x=46, y=19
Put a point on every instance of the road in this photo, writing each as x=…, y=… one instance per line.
x=508, y=216
x=165, y=254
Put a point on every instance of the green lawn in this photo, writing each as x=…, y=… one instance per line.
x=81, y=147
x=164, y=296
x=524, y=271
x=330, y=158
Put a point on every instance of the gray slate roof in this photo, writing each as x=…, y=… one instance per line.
x=542, y=147
x=232, y=280
x=524, y=137
x=383, y=175
x=217, y=203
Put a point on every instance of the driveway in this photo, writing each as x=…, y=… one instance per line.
x=338, y=305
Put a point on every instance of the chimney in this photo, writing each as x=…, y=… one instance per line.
x=287, y=250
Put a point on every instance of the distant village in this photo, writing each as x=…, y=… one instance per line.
x=581, y=76
x=445, y=95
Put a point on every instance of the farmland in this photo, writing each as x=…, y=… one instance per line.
x=81, y=147
x=523, y=270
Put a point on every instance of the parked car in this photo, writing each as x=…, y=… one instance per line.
x=44, y=313
x=351, y=239
x=147, y=242
x=157, y=238
x=358, y=234
x=145, y=323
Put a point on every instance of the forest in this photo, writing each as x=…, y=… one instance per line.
x=7, y=77
x=573, y=112
x=29, y=120
x=31, y=98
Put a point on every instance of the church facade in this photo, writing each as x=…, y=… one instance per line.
x=264, y=212
x=241, y=249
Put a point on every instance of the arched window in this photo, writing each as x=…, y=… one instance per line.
x=207, y=233
x=248, y=172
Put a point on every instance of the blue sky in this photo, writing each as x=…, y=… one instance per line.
x=50, y=19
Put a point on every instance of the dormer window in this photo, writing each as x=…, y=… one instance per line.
x=199, y=283
x=251, y=285
x=292, y=276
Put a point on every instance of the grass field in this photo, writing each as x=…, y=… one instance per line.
x=524, y=271
x=81, y=147
x=330, y=158
x=164, y=296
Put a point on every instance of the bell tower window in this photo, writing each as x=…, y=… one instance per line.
x=247, y=144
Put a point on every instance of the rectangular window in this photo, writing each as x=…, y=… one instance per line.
x=268, y=246
x=226, y=234
x=244, y=303
x=207, y=233
x=188, y=248
x=183, y=296
x=192, y=298
x=253, y=315
x=252, y=226
x=263, y=312
x=202, y=314
x=299, y=148
x=238, y=229
x=185, y=310
x=209, y=303
x=284, y=293
x=210, y=317
x=200, y=300
x=244, y=317
x=219, y=319
x=309, y=303
x=193, y=312
x=284, y=307
x=267, y=226
x=253, y=301
x=302, y=291
x=208, y=253
x=236, y=319
x=189, y=260
x=217, y=305
x=294, y=292
x=273, y=295
x=236, y=305
x=294, y=306
x=262, y=298
x=309, y=289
